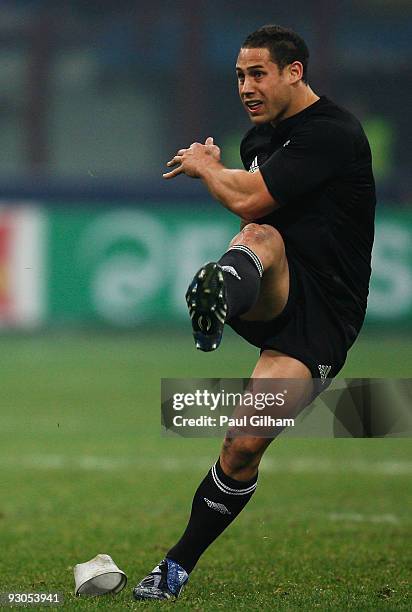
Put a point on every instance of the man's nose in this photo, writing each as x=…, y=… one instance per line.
x=247, y=86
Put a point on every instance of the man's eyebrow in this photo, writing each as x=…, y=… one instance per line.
x=239, y=69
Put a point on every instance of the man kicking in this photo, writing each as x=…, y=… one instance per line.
x=294, y=282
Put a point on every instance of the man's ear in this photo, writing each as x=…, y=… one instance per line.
x=295, y=71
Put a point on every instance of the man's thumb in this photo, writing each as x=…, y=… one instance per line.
x=209, y=140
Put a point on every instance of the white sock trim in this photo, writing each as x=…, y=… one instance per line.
x=229, y=490
x=252, y=255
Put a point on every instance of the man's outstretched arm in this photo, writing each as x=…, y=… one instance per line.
x=241, y=192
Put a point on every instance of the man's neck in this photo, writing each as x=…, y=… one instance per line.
x=306, y=97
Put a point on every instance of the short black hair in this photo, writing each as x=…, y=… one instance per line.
x=283, y=44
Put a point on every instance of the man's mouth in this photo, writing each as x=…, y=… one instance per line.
x=254, y=106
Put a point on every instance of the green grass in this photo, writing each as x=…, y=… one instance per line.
x=84, y=469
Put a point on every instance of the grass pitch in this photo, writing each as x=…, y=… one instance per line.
x=83, y=470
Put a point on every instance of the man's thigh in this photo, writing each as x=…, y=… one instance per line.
x=273, y=295
x=267, y=243
x=271, y=372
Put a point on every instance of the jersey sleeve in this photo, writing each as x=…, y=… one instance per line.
x=309, y=158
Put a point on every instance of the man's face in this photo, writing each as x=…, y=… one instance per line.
x=264, y=90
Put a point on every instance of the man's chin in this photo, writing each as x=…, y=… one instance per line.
x=258, y=119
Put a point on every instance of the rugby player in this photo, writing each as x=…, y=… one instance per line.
x=294, y=281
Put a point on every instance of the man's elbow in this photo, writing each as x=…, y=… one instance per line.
x=244, y=210
x=255, y=207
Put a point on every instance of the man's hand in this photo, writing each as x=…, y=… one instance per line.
x=242, y=192
x=194, y=160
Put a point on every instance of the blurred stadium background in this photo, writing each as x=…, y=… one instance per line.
x=96, y=252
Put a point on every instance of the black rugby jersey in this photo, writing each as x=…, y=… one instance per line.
x=317, y=165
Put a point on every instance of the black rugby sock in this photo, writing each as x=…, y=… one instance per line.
x=243, y=272
x=216, y=503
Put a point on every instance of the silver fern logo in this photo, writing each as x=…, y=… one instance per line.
x=231, y=271
x=324, y=371
x=217, y=507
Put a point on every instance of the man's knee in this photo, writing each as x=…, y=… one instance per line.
x=242, y=452
x=263, y=239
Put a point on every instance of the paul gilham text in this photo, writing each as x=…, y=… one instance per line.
x=244, y=421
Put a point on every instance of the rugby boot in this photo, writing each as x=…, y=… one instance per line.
x=206, y=300
x=165, y=581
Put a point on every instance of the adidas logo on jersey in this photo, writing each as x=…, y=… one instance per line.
x=324, y=371
x=218, y=507
x=254, y=166
x=231, y=271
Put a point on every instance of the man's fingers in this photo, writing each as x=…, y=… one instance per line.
x=176, y=160
x=209, y=140
x=173, y=173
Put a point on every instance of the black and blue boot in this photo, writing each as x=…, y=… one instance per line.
x=165, y=581
x=206, y=300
